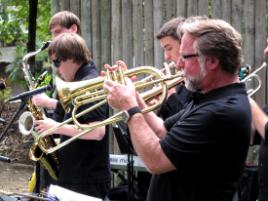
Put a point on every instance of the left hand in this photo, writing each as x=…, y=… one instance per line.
x=122, y=97
x=45, y=124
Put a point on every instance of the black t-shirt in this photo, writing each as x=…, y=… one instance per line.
x=175, y=102
x=207, y=142
x=85, y=162
x=263, y=164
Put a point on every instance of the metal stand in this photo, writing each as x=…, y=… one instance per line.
x=18, y=111
x=125, y=146
x=3, y=134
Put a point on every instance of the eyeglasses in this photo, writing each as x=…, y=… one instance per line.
x=188, y=56
x=56, y=63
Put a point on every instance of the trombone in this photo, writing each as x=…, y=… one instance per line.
x=89, y=91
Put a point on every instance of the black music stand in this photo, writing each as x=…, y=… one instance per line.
x=126, y=147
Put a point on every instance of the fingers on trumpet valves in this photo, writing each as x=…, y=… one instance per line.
x=116, y=72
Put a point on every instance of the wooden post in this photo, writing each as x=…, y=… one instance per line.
x=75, y=7
x=158, y=21
x=249, y=43
x=182, y=8
x=138, y=33
x=149, y=35
x=237, y=14
x=65, y=5
x=96, y=30
x=106, y=32
x=203, y=7
x=86, y=22
x=127, y=48
x=116, y=31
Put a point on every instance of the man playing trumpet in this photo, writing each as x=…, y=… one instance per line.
x=194, y=154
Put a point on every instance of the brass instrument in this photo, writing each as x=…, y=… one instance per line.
x=88, y=91
x=26, y=120
x=253, y=81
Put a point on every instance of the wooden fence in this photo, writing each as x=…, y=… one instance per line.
x=125, y=29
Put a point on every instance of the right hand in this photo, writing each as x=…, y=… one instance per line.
x=114, y=67
x=42, y=100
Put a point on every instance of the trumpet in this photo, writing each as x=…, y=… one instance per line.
x=89, y=91
x=253, y=81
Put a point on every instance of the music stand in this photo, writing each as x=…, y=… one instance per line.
x=125, y=146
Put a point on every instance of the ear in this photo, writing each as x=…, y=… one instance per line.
x=212, y=62
x=73, y=28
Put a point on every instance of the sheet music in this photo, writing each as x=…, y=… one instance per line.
x=64, y=194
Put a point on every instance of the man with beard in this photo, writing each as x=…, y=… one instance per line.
x=194, y=154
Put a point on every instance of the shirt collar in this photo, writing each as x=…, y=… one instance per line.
x=228, y=90
x=82, y=71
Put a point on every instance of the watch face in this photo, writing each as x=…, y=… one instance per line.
x=125, y=116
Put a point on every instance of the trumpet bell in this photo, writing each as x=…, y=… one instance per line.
x=26, y=123
x=68, y=90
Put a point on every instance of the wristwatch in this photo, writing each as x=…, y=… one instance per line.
x=127, y=114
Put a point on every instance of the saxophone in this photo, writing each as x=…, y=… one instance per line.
x=26, y=121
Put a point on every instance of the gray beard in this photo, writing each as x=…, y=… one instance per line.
x=191, y=86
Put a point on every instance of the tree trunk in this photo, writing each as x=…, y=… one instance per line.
x=32, y=29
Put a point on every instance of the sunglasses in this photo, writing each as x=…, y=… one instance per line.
x=56, y=63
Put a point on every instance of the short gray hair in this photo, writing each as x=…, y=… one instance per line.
x=215, y=37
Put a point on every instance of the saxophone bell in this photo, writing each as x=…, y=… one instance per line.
x=26, y=123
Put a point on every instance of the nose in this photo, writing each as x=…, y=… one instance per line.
x=166, y=56
x=180, y=63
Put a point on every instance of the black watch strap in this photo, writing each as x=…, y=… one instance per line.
x=133, y=111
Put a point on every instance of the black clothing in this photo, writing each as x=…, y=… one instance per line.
x=84, y=164
x=207, y=142
x=263, y=164
x=175, y=102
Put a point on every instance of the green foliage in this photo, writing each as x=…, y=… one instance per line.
x=4, y=95
x=14, y=31
x=13, y=21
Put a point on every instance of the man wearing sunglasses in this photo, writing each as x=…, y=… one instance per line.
x=61, y=22
x=194, y=154
x=83, y=164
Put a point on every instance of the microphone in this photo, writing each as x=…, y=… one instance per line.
x=28, y=94
x=5, y=159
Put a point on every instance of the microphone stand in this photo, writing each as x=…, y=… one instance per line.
x=18, y=111
x=23, y=103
